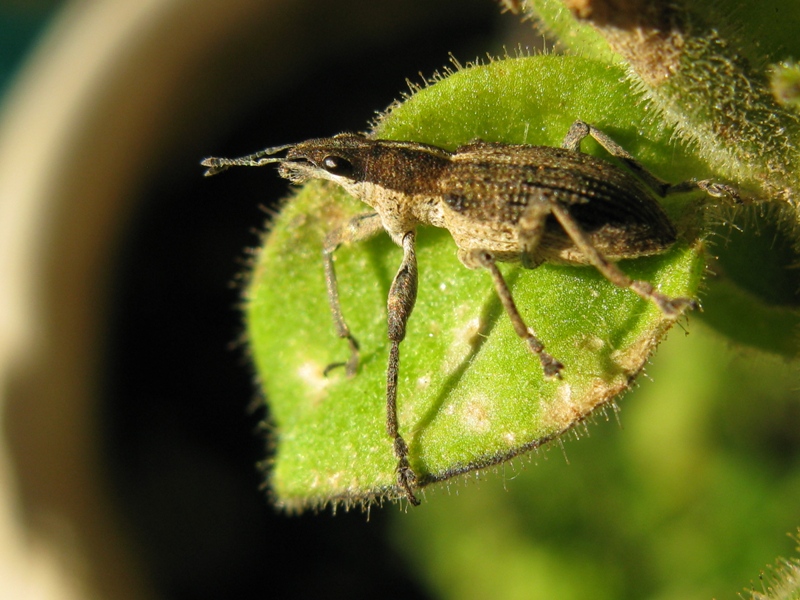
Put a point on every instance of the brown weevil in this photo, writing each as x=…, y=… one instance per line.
x=501, y=203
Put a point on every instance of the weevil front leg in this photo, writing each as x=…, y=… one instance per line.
x=580, y=131
x=402, y=296
x=357, y=229
x=482, y=258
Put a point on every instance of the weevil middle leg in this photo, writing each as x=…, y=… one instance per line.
x=551, y=367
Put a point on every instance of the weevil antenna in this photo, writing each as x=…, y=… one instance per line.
x=258, y=159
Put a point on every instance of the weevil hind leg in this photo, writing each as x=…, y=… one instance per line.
x=579, y=131
x=357, y=229
x=671, y=307
x=482, y=258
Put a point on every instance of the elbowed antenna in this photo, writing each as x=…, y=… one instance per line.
x=218, y=165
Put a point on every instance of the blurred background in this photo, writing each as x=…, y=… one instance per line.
x=130, y=422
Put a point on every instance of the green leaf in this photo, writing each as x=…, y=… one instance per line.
x=470, y=393
x=752, y=293
x=557, y=20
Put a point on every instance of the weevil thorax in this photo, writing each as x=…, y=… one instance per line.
x=398, y=179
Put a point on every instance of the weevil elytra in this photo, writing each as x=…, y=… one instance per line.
x=501, y=203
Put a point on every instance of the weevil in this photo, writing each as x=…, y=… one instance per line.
x=501, y=203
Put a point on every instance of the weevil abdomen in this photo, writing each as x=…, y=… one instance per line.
x=487, y=189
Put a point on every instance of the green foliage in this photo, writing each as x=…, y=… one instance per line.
x=740, y=115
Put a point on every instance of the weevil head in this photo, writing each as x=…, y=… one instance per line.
x=379, y=172
x=343, y=159
x=362, y=165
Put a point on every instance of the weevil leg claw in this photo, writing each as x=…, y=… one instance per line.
x=351, y=365
x=406, y=478
x=673, y=308
x=552, y=367
x=716, y=189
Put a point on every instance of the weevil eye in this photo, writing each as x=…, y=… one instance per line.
x=336, y=165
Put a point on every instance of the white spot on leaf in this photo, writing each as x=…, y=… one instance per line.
x=312, y=375
x=476, y=414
